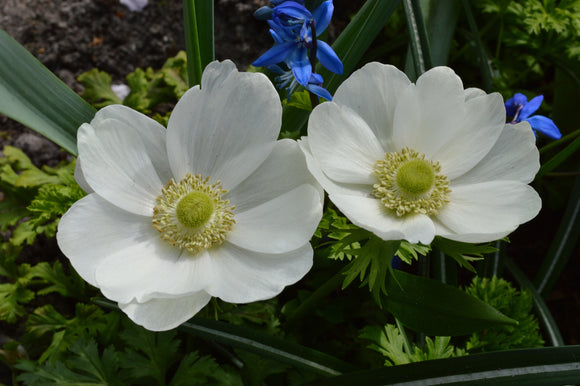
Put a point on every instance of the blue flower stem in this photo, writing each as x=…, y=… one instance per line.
x=313, y=98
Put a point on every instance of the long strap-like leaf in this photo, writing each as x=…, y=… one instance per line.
x=35, y=97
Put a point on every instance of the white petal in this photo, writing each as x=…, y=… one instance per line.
x=94, y=229
x=473, y=92
x=152, y=269
x=80, y=177
x=248, y=276
x=370, y=214
x=150, y=132
x=344, y=145
x=329, y=185
x=513, y=157
x=429, y=115
x=482, y=126
x=284, y=170
x=123, y=163
x=280, y=225
x=480, y=212
x=373, y=92
x=226, y=129
x=165, y=314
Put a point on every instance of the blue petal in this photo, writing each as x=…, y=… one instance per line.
x=320, y=91
x=316, y=79
x=531, y=107
x=276, y=54
x=545, y=126
x=278, y=2
x=276, y=37
x=300, y=65
x=263, y=13
x=276, y=69
x=285, y=33
x=512, y=104
x=291, y=12
x=328, y=58
x=322, y=16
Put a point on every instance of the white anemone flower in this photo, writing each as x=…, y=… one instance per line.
x=213, y=206
x=415, y=161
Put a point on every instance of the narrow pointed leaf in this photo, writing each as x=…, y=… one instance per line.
x=35, y=97
x=418, y=39
x=543, y=366
x=434, y=308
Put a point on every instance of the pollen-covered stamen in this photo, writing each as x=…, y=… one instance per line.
x=191, y=214
x=409, y=183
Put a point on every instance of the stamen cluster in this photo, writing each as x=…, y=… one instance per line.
x=409, y=183
x=192, y=235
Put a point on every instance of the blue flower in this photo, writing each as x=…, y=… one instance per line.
x=294, y=30
x=286, y=79
x=519, y=109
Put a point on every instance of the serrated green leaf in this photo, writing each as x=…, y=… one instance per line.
x=104, y=370
x=45, y=319
x=150, y=354
x=57, y=280
x=196, y=370
x=51, y=374
x=32, y=95
x=12, y=298
x=463, y=253
x=434, y=308
x=98, y=88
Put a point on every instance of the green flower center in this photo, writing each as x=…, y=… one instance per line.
x=409, y=183
x=194, y=210
x=191, y=214
x=415, y=177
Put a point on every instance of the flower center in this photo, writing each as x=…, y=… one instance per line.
x=409, y=183
x=194, y=209
x=192, y=215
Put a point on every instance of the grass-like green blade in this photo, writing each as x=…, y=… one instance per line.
x=192, y=47
x=551, y=331
x=35, y=97
x=204, y=13
x=562, y=245
x=267, y=346
x=543, y=366
x=441, y=24
x=418, y=39
x=350, y=46
x=559, y=158
x=434, y=308
x=484, y=62
x=199, y=37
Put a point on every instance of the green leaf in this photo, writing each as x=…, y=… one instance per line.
x=199, y=37
x=196, y=370
x=551, y=331
x=418, y=39
x=267, y=346
x=543, y=366
x=434, y=308
x=150, y=354
x=32, y=95
x=98, y=89
x=12, y=298
x=462, y=253
x=482, y=57
x=559, y=158
x=69, y=285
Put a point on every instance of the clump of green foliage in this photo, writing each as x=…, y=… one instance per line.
x=393, y=344
x=501, y=295
x=150, y=89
